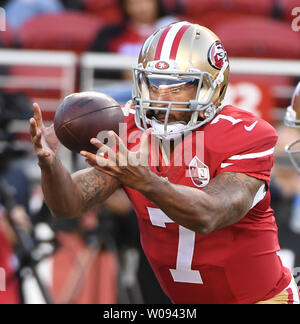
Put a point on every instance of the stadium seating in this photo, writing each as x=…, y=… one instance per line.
x=195, y=9
x=213, y=19
x=259, y=37
x=64, y=31
x=107, y=10
x=172, y=6
x=41, y=87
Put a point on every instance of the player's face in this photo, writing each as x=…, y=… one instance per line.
x=181, y=93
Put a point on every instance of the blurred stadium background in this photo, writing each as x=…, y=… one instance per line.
x=56, y=47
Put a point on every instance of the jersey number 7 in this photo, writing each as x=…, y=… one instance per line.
x=186, y=244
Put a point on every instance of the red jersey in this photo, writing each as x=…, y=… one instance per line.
x=235, y=264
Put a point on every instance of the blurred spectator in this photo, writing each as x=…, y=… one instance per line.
x=3, y=2
x=11, y=293
x=14, y=107
x=285, y=193
x=19, y=11
x=15, y=190
x=14, y=219
x=17, y=178
x=11, y=251
x=89, y=263
x=138, y=282
x=88, y=253
x=101, y=256
x=73, y=4
x=140, y=19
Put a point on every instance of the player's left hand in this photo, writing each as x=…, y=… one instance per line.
x=130, y=168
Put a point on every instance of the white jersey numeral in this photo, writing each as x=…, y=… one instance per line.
x=186, y=244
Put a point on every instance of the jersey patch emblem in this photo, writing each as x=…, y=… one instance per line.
x=199, y=172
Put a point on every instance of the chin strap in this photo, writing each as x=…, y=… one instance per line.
x=173, y=130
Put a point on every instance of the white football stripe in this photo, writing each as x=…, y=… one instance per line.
x=252, y=155
x=168, y=42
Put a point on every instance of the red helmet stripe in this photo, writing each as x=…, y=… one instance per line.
x=161, y=43
x=177, y=40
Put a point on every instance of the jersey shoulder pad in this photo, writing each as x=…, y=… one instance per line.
x=237, y=129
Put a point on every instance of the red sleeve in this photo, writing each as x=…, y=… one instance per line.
x=254, y=153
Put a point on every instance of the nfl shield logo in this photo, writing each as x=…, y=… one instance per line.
x=199, y=172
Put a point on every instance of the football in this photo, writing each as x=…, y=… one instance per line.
x=82, y=116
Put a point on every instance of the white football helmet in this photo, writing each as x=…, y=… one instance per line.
x=178, y=54
x=292, y=119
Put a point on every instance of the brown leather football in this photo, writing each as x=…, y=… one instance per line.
x=82, y=116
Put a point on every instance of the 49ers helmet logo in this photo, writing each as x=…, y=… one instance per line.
x=162, y=65
x=217, y=55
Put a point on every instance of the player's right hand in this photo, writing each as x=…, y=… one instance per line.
x=43, y=138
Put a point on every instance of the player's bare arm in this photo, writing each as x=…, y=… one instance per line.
x=235, y=193
x=94, y=187
x=65, y=199
x=224, y=201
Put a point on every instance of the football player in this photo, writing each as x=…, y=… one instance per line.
x=205, y=222
x=292, y=119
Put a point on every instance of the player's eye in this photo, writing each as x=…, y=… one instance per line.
x=176, y=90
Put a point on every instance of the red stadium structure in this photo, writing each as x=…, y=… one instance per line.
x=216, y=18
x=259, y=37
x=63, y=31
x=194, y=10
x=107, y=10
